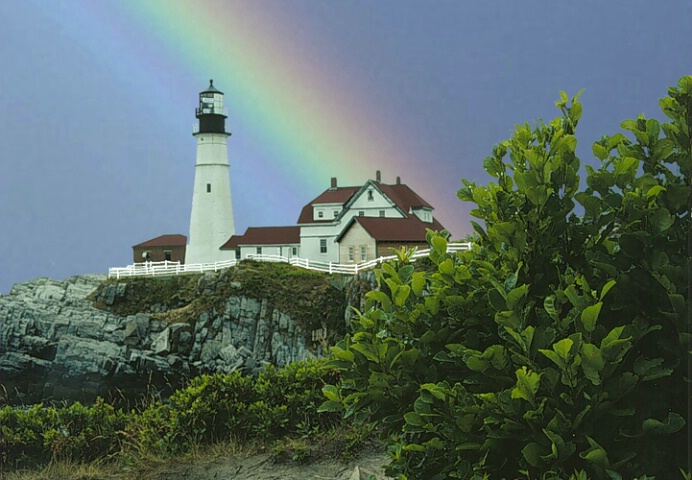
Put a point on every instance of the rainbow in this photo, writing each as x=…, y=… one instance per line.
x=306, y=123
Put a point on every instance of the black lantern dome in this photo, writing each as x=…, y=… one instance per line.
x=211, y=112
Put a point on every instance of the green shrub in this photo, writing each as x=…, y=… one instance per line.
x=77, y=433
x=559, y=345
x=213, y=408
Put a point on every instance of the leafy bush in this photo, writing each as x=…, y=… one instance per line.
x=559, y=345
x=276, y=403
x=212, y=408
x=77, y=433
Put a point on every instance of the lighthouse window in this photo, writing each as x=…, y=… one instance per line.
x=208, y=187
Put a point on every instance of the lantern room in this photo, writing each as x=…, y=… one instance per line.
x=211, y=112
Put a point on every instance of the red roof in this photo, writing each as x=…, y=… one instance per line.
x=174, y=240
x=265, y=236
x=338, y=195
x=403, y=196
x=382, y=229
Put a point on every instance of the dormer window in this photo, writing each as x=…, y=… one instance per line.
x=320, y=214
x=371, y=197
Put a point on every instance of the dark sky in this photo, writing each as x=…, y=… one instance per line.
x=97, y=102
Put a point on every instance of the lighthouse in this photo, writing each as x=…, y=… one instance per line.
x=211, y=220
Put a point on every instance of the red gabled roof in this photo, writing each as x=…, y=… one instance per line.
x=339, y=195
x=382, y=229
x=173, y=240
x=265, y=236
x=403, y=196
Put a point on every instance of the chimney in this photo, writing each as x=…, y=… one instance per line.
x=398, y=180
x=378, y=177
x=333, y=182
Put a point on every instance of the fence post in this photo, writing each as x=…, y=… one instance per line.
x=330, y=267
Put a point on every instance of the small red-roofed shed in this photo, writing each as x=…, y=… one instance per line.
x=166, y=247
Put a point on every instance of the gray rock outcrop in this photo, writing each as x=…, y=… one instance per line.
x=55, y=345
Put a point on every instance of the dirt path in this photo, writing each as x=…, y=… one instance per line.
x=262, y=467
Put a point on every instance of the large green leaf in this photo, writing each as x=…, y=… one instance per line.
x=439, y=244
x=401, y=295
x=493, y=166
x=589, y=316
x=672, y=424
x=369, y=351
x=381, y=297
x=599, y=151
x=516, y=295
x=412, y=418
x=418, y=282
x=613, y=348
x=533, y=452
x=662, y=220
x=563, y=347
x=527, y=385
x=650, y=369
x=592, y=362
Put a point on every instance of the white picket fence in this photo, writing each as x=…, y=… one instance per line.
x=167, y=268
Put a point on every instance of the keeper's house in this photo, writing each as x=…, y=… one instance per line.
x=346, y=225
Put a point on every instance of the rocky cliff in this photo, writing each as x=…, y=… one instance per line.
x=85, y=337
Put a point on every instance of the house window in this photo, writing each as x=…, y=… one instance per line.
x=259, y=250
x=237, y=254
x=361, y=213
x=323, y=245
x=351, y=253
x=320, y=214
x=146, y=255
x=336, y=213
x=167, y=255
x=294, y=251
x=371, y=197
x=363, y=253
x=381, y=213
x=208, y=187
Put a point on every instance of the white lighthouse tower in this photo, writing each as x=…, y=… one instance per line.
x=211, y=221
